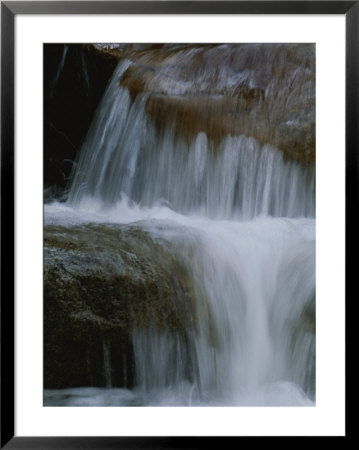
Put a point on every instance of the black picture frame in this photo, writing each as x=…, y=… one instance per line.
x=9, y=9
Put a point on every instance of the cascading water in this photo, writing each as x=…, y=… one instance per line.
x=240, y=218
x=123, y=156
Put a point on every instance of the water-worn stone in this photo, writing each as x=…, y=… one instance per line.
x=266, y=91
x=101, y=283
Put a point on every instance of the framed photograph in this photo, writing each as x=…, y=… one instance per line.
x=177, y=180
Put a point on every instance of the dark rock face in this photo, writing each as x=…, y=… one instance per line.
x=101, y=283
x=75, y=78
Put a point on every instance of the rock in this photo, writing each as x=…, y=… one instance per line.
x=101, y=283
x=266, y=91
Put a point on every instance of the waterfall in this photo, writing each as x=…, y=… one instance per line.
x=240, y=216
x=124, y=156
x=255, y=292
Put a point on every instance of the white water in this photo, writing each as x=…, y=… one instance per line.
x=242, y=219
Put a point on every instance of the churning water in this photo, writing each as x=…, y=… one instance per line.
x=242, y=220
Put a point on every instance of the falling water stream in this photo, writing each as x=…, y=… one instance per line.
x=242, y=219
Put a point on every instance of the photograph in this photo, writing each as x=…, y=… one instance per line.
x=179, y=224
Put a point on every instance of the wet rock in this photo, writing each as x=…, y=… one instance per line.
x=266, y=91
x=101, y=283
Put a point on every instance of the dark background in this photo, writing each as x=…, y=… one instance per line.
x=75, y=78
